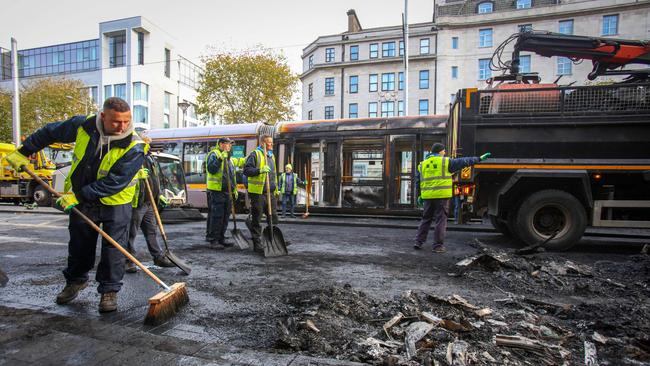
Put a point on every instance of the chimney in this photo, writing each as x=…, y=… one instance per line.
x=353, y=22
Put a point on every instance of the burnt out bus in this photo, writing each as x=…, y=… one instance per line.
x=354, y=166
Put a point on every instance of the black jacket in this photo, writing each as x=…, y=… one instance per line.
x=213, y=165
x=85, y=185
x=252, y=169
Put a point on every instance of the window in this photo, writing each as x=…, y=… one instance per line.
x=525, y=28
x=485, y=7
x=452, y=98
x=400, y=108
x=372, y=83
x=354, y=84
x=311, y=62
x=388, y=49
x=140, y=92
x=374, y=50
x=563, y=66
x=329, y=112
x=92, y=92
x=454, y=43
x=424, y=46
x=329, y=86
x=388, y=109
x=353, y=110
x=108, y=91
x=400, y=82
x=565, y=26
x=116, y=51
x=194, y=161
x=424, y=79
x=120, y=91
x=165, y=120
x=524, y=64
x=167, y=102
x=423, y=107
x=372, y=109
x=354, y=53
x=484, y=71
x=140, y=48
x=310, y=92
x=329, y=55
x=610, y=25
x=454, y=72
x=310, y=115
x=401, y=48
x=140, y=114
x=524, y=4
x=485, y=37
x=168, y=62
x=388, y=82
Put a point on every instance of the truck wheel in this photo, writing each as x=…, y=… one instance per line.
x=41, y=196
x=545, y=212
x=501, y=226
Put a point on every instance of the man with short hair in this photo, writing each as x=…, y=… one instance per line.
x=220, y=167
x=434, y=185
x=107, y=155
x=289, y=189
x=258, y=169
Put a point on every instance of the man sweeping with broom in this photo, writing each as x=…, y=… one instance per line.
x=99, y=190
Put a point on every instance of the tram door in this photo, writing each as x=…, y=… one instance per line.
x=307, y=165
x=402, y=170
x=331, y=170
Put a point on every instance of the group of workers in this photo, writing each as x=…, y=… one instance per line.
x=111, y=164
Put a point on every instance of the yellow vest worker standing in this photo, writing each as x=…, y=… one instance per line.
x=289, y=189
x=220, y=169
x=435, y=187
x=107, y=155
x=257, y=171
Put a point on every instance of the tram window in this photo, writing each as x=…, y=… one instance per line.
x=363, y=169
x=194, y=162
x=173, y=148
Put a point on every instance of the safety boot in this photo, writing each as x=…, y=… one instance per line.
x=108, y=302
x=163, y=262
x=70, y=292
x=130, y=267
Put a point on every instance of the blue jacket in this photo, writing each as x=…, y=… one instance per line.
x=455, y=164
x=85, y=185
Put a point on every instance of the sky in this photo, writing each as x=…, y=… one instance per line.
x=283, y=25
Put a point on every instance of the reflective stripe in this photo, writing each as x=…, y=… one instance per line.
x=435, y=188
x=435, y=180
x=256, y=184
x=432, y=178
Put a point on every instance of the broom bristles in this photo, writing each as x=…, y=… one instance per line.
x=165, y=304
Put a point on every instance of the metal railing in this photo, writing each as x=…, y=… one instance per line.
x=579, y=100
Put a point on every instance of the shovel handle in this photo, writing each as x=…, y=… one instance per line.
x=98, y=229
x=154, y=206
x=268, y=194
x=232, y=201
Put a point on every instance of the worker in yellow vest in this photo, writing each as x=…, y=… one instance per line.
x=107, y=157
x=434, y=186
x=257, y=169
x=289, y=189
x=220, y=168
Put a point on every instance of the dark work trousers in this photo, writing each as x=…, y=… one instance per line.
x=435, y=211
x=115, y=221
x=218, y=215
x=288, y=199
x=207, y=222
x=143, y=218
x=259, y=205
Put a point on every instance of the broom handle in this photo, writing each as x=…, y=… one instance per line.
x=155, y=212
x=100, y=231
x=307, y=190
x=232, y=200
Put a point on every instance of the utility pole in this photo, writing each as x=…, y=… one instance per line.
x=406, y=57
x=16, y=102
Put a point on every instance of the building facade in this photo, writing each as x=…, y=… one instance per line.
x=132, y=59
x=451, y=53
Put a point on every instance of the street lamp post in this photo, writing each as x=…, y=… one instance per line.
x=183, y=106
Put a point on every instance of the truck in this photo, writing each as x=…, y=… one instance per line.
x=19, y=187
x=564, y=158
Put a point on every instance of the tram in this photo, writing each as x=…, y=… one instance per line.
x=355, y=166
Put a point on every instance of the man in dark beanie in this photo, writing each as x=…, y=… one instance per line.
x=434, y=187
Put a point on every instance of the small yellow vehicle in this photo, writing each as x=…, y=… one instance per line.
x=21, y=188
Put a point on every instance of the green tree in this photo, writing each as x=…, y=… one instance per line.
x=254, y=86
x=43, y=101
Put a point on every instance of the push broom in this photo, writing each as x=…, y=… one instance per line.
x=164, y=304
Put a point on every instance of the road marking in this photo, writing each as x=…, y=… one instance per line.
x=32, y=241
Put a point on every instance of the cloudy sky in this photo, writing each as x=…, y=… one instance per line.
x=286, y=25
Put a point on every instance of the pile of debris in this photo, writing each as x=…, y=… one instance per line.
x=516, y=329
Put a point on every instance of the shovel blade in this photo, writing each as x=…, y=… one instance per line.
x=274, y=244
x=240, y=240
x=178, y=262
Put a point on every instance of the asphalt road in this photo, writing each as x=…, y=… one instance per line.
x=235, y=295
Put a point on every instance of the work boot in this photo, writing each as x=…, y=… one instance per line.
x=108, y=302
x=226, y=243
x=70, y=292
x=439, y=248
x=417, y=246
x=257, y=246
x=163, y=262
x=216, y=245
x=130, y=267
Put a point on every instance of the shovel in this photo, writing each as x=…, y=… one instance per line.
x=274, y=244
x=172, y=258
x=237, y=235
